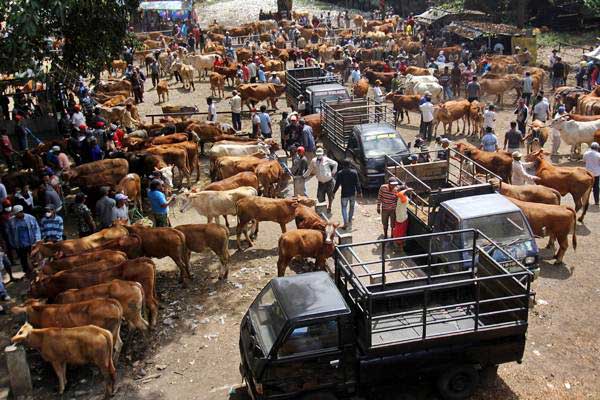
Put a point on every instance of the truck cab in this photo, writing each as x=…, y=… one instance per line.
x=292, y=335
x=369, y=145
x=315, y=94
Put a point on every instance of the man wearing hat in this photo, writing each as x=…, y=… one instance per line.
x=262, y=78
x=592, y=164
x=51, y=225
x=386, y=203
x=120, y=213
x=443, y=152
x=324, y=168
x=77, y=119
x=299, y=167
x=519, y=175
x=274, y=79
x=236, y=110
x=83, y=216
x=23, y=232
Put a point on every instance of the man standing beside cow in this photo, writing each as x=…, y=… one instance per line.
x=324, y=169
x=592, y=164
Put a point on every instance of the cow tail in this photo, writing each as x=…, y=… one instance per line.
x=586, y=195
x=574, y=228
x=558, y=196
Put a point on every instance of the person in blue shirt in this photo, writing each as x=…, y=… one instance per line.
x=355, y=75
x=265, y=123
x=159, y=204
x=23, y=232
x=262, y=78
x=489, y=141
x=308, y=139
x=96, y=152
x=51, y=225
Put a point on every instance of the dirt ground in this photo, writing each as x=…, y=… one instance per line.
x=193, y=352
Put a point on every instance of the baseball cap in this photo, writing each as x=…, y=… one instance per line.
x=17, y=209
x=393, y=181
x=120, y=196
x=319, y=152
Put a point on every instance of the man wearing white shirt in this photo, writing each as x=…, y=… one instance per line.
x=253, y=70
x=541, y=110
x=489, y=118
x=592, y=164
x=426, y=117
x=324, y=168
x=77, y=119
x=236, y=111
x=519, y=175
x=355, y=75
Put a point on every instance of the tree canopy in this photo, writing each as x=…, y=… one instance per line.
x=93, y=31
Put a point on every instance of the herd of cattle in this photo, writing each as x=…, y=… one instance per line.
x=93, y=283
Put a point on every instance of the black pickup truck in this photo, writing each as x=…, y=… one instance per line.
x=363, y=131
x=384, y=322
x=316, y=85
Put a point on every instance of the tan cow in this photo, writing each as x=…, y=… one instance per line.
x=186, y=72
x=217, y=84
x=272, y=178
x=75, y=261
x=361, y=88
x=450, y=111
x=253, y=93
x=555, y=221
x=82, y=345
x=531, y=193
x=499, y=162
x=199, y=237
x=498, y=87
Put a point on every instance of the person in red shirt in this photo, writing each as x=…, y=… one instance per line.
x=245, y=72
x=386, y=67
x=218, y=62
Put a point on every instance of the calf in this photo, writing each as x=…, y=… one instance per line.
x=555, y=221
x=499, y=162
x=104, y=313
x=403, y=103
x=307, y=218
x=305, y=243
x=163, y=91
x=272, y=178
x=199, y=237
x=110, y=256
x=164, y=242
x=129, y=294
x=257, y=209
x=234, y=182
x=450, y=111
x=131, y=186
x=82, y=345
x=217, y=84
x=141, y=270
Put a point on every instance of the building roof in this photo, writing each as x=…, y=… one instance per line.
x=474, y=29
x=432, y=15
x=309, y=295
x=480, y=206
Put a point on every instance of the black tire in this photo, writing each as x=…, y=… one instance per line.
x=319, y=396
x=458, y=383
x=489, y=376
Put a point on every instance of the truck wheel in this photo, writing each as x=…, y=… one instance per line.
x=458, y=383
x=489, y=376
x=319, y=396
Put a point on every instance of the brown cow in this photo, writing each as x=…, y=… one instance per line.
x=192, y=156
x=118, y=65
x=384, y=77
x=129, y=294
x=259, y=209
x=499, y=86
x=217, y=84
x=499, y=162
x=314, y=121
x=271, y=177
x=361, y=88
x=176, y=156
x=75, y=261
x=164, y=242
x=450, y=111
x=199, y=237
x=556, y=221
x=97, y=173
x=82, y=345
x=76, y=246
x=531, y=193
x=118, y=100
x=305, y=243
x=403, y=103
x=228, y=166
x=253, y=93
x=141, y=270
x=234, y=182
x=416, y=71
x=168, y=139
x=307, y=218
x=104, y=313
x=131, y=186
x=163, y=91
x=575, y=180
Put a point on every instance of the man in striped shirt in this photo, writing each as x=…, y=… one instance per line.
x=51, y=225
x=386, y=204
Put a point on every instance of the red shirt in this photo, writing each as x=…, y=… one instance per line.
x=386, y=68
x=246, y=72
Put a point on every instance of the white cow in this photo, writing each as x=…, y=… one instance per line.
x=575, y=133
x=213, y=204
x=409, y=81
x=201, y=62
x=220, y=150
x=421, y=88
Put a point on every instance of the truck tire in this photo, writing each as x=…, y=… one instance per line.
x=319, y=396
x=489, y=376
x=458, y=383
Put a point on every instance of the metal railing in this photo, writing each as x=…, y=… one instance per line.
x=498, y=297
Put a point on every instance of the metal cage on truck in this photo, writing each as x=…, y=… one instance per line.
x=420, y=301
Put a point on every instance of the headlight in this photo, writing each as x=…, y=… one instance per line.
x=372, y=171
x=529, y=260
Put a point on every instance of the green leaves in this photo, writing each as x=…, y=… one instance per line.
x=94, y=33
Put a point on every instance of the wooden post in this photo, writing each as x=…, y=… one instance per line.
x=18, y=371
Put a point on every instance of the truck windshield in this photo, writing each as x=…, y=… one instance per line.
x=503, y=228
x=267, y=318
x=380, y=144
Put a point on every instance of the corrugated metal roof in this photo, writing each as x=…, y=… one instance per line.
x=474, y=29
x=431, y=15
